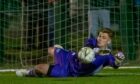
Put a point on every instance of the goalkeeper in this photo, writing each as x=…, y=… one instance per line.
x=67, y=63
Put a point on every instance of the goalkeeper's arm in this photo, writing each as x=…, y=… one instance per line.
x=90, y=42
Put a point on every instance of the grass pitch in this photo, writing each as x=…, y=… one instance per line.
x=107, y=76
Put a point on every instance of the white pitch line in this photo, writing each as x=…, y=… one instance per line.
x=7, y=70
x=127, y=74
x=125, y=67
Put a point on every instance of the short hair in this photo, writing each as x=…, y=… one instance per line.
x=108, y=31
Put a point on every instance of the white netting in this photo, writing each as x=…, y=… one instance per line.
x=28, y=27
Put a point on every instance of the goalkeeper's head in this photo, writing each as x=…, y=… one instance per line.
x=104, y=37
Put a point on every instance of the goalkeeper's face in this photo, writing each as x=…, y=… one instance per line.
x=103, y=40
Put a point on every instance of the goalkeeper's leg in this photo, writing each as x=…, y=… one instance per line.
x=39, y=70
x=52, y=49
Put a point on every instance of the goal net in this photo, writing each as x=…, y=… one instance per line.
x=28, y=27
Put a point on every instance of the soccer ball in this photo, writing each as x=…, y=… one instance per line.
x=86, y=55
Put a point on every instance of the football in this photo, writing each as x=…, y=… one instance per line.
x=86, y=55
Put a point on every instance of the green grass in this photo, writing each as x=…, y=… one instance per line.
x=107, y=76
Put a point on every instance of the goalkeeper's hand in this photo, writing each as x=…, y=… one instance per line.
x=119, y=58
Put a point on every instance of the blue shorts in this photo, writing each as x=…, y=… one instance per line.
x=61, y=66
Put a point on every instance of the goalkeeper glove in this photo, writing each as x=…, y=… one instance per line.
x=119, y=58
x=102, y=52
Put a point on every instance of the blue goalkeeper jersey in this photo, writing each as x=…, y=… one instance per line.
x=98, y=64
x=91, y=42
x=67, y=63
x=101, y=60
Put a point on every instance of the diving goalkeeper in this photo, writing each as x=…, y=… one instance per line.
x=68, y=64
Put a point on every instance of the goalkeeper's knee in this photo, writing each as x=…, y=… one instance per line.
x=58, y=46
x=35, y=72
